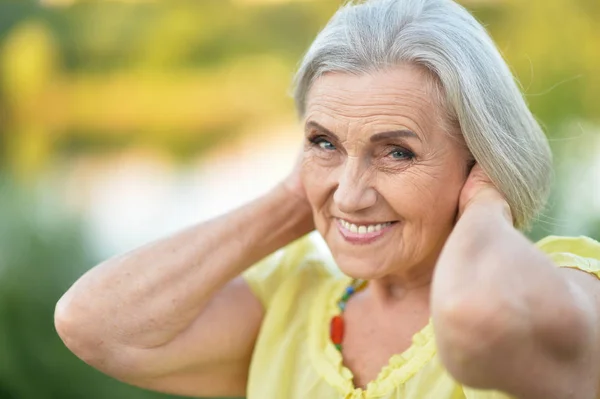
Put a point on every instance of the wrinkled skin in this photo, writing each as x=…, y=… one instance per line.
x=415, y=182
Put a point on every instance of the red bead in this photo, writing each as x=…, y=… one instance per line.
x=336, y=330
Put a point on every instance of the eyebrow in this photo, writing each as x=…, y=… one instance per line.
x=402, y=133
x=315, y=125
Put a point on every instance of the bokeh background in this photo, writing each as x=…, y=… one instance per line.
x=122, y=121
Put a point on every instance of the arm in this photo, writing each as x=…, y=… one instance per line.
x=174, y=316
x=506, y=317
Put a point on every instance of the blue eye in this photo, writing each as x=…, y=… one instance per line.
x=326, y=145
x=322, y=142
x=400, y=153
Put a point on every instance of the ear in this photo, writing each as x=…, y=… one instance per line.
x=476, y=183
x=471, y=162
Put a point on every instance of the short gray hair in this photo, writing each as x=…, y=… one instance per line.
x=481, y=94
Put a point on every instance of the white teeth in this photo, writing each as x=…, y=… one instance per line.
x=363, y=229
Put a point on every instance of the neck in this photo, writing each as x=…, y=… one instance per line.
x=401, y=287
x=388, y=289
x=410, y=283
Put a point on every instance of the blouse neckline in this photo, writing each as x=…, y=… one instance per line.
x=328, y=361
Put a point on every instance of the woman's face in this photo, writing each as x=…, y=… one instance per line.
x=381, y=171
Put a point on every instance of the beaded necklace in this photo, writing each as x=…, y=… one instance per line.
x=336, y=329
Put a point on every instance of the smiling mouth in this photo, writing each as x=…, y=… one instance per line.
x=362, y=234
x=364, y=229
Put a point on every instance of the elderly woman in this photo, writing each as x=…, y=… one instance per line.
x=422, y=162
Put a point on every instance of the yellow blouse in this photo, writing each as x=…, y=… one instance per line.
x=294, y=357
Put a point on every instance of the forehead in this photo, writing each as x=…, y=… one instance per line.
x=404, y=95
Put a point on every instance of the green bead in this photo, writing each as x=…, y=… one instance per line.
x=345, y=297
x=338, y=347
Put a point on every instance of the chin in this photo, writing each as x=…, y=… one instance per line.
x=360, y=268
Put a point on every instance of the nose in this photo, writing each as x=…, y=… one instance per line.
x=354, y=191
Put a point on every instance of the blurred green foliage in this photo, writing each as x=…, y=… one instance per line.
x=184, y=76
x=42, y=251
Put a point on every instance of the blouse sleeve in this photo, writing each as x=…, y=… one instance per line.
x=266, y=276
x=581, y=253
x=471, y=393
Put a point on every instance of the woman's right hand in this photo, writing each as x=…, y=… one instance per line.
x=293, y=184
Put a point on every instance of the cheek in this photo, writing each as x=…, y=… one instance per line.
x=419, y=195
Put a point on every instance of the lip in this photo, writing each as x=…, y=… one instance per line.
x=362, y=239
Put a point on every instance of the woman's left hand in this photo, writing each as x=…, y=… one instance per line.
x=479, y=188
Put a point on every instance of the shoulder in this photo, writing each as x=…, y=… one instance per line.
x=581, y=252
x=579, y=259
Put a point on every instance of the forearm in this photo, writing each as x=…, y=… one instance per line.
x=485, y=255
x=149, y=296
x=496, y=296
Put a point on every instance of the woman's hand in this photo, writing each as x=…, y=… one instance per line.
x=479, y=188
x=293, y=185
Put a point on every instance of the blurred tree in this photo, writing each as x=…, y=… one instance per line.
x=140, y=71
x=28, y=65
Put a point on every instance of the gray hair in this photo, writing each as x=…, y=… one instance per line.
x=481, y=94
